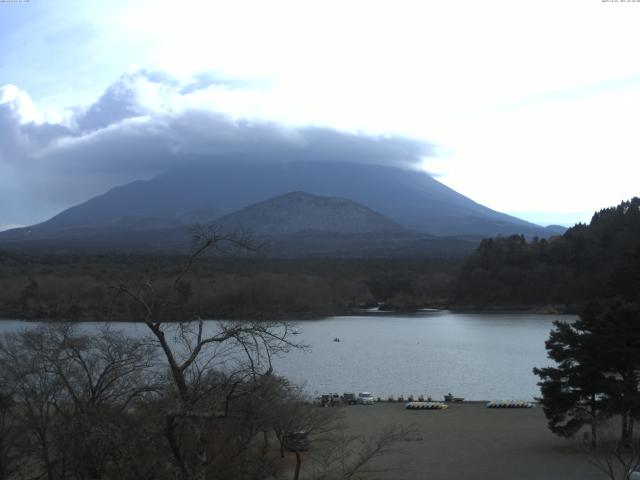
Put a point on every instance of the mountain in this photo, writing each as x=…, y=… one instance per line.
x=293, y=225
x=298, y=224
x=297, y=212
x=167, y=203
x=412, y=198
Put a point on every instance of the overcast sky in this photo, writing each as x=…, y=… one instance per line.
x=530, y=108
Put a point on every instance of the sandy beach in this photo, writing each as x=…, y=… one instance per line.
x=469, y=441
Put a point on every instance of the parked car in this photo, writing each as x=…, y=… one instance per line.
x=330, y=400
x=349, y=398
x=365, y=398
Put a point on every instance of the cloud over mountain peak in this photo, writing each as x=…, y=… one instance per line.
x=147, y=122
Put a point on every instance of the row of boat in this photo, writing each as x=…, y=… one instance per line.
x=426, y=406
x=509, y=404
x=492, y=404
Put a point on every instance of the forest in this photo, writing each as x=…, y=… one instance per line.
x=587, y=262
x=80, y=287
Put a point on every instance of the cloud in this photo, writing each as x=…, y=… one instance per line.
x=148, y=122
x=23, y=128
x=117, y=103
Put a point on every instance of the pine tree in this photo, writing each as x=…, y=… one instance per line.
x=573, y=393
x=598, y=370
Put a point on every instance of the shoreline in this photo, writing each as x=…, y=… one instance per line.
x=537, y=310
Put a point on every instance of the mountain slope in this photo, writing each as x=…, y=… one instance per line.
x=292, y=225
x=412, y=199
x=298, y=212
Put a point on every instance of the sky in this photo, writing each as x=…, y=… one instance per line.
x=530, y=108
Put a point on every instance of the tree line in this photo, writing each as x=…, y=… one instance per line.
x=567, y=270
x=78, y=287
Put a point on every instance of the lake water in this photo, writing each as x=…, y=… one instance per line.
x=479, y=356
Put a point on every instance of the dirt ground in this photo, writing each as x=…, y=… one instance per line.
x=470, y=441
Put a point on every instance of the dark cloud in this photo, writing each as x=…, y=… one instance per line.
x=21, y=135
x=117, y=103
x=143, y=146
x=9, y=133
x=44, y=134
x=130, y=133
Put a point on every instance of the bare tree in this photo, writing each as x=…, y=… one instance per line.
x=70, y=394
x=210, y=365
x=615, y=458
x=36, y=391
x=291, y=414
x=347, y=456
x=296, y=422
x=10, y=435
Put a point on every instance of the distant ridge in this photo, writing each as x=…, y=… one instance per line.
x=555, y=229
x=366, y=199
x=411, y=198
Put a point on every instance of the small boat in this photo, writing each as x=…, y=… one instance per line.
x=336, y=339
x=450, y=398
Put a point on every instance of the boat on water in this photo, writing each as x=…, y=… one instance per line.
x=450, y=398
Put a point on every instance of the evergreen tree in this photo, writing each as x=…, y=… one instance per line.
x=573, y=393
x=597, y=372
x=615, y=326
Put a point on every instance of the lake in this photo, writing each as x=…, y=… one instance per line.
x=479, y=356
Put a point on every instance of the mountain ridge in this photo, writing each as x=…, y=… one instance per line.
x=406, y=202
x=411, y=198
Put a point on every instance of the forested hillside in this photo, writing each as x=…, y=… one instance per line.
x=587, y=262
x=80, y=287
